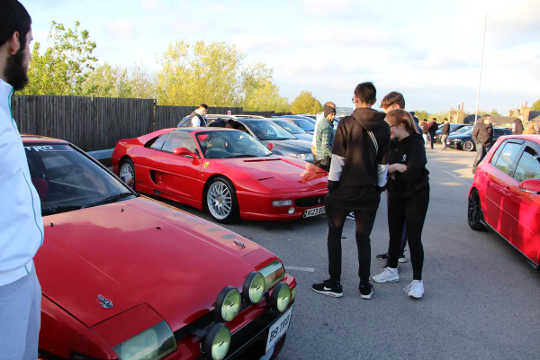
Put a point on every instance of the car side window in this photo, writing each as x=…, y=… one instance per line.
x=528, y=166
x=178, y=140
x=506, y=162
x=497, y=153
x=158, y=143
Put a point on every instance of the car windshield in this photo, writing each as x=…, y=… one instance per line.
x=267, y=130
x=290, y=127
x=304, y=124
x=230, y=144
x=65, y=179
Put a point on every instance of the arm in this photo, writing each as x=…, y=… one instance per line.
x=339, y=151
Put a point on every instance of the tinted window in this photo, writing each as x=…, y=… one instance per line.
x=267, y=130
x=229, y=144
x=293, y=129
x=304, y=124
x=158, y=143
x=67, y=180
x=177, y=140
x=528, y=166
x=506, y=161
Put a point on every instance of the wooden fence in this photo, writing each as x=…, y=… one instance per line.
x=98, y=123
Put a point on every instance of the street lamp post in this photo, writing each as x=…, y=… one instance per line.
x=481, y=70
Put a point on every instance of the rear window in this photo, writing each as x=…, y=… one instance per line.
x=528, y=166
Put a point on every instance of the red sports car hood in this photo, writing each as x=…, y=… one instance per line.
x=281, y=174
x=139, y=251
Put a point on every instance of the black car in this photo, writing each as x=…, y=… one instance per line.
x=462, y=140
x=453, y=128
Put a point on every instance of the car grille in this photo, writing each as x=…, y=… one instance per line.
x=310, y=201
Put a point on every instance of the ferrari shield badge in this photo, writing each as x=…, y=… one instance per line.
x=206, y=164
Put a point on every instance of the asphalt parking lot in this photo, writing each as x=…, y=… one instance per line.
x=482, y=298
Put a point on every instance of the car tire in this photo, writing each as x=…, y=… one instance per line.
x=126, y=172
x=475, y=218
x=220, y=200
x=468, y=145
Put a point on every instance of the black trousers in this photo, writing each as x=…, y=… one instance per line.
x=409, y=212
x=481, y=150
x=364, y=218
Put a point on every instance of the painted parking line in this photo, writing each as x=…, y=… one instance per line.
x=300, y=268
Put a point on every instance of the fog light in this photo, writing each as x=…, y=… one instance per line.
x=291, y=211
x=217, y=342
x=281, y=203
x=281, y=297
x=254, y=287
x=228, y=303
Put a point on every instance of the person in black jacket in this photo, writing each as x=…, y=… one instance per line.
x=444, y=133
x=357, y=173
x=408, y=198
x=482, y=137
x=433, y=127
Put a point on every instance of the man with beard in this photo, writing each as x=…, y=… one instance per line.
x=357, y=175
x=21, y=225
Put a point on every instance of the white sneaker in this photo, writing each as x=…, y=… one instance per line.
x=388, y=275
x=415, y=289
x=402, y=259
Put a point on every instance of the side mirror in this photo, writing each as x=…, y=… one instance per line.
x=531, y=186
x=270, y=146
x=182, y=151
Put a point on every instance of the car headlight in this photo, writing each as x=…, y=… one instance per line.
x=217, y=342
x=281, y=297
x=273, y=274
x=154, y=343
x=228, y=303
x=254, y=287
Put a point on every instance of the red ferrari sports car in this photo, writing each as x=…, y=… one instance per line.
x=505, y=194
x=127, y=277
x=224, y=171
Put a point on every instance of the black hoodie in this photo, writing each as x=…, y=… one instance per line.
x=411, y=152
x=353, y=143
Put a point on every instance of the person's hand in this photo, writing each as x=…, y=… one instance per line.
x=397, y=167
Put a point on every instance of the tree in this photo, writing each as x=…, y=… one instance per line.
x=305, y=103
x=65, y=65
x=494, y=113
x=422, y=115
x=200, y=73
x=259, y=93
x=536, y=105
x=106, y=81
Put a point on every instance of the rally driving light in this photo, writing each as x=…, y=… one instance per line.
x=217, y=342
x=154, y=343
x=281, y=297
x=254, y=287
x=281, y=203
x=228, y=303
x=273, y=274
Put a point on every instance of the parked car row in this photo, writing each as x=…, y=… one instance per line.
x=462, y=138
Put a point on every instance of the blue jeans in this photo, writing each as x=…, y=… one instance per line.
x=20, y=318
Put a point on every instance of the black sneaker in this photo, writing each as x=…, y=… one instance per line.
x=366, y=291
x=382, y=256
x=329, y=288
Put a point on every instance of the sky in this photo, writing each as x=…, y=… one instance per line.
x=428, y=50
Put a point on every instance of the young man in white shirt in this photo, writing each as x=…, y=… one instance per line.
x=21, y=225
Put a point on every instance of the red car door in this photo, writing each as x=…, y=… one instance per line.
x=500, y=206
x=526, y=233
x=179, y=175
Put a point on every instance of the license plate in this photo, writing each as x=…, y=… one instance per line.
x=278, y=329
x=314, y=212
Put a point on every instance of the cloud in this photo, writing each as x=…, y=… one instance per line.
x=150, y=4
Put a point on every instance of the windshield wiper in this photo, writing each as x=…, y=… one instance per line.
x=108, y=199
x=59, y=209
x=241, y=156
